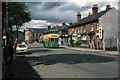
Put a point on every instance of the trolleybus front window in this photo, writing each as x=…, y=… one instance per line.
x=52, y=32
x=52, y=39
x=56, y=32
x=56, y=39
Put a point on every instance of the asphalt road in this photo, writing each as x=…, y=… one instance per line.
x=66, y=63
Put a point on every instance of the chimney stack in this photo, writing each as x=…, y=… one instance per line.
x=57, y=26
x=108, y=7
x=49, y=27
x=78, y=17
x=63, y=24
x=95, y=10
x=70, y=23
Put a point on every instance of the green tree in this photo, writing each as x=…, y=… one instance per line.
x=18, y=14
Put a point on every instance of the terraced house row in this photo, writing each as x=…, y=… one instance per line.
x=98, y=29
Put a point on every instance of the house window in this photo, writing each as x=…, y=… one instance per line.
x=78, y=30
x=91, y=27
x=40, y=34
x=97, y=27
x=36, y=34
x=33, y=34
x=75, y=30
x=70, y=31
x=83, y=28
x=66, y=32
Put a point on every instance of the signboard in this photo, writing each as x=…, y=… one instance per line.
x=74, y=37
x=100, y=33
x=54, y=36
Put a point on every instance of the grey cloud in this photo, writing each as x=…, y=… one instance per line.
x=72, y=6
x=51, y=5
x=52, y=11
x=56, y=12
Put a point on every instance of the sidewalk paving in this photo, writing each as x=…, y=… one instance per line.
x=93, y=50
x=20, y=68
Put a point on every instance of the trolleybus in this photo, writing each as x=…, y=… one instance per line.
x=50, y=38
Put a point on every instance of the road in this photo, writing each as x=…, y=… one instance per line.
x=65, y=63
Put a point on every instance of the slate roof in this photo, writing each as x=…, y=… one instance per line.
x=84, y=33
x=63, y=28
x=90, y=18
x=37, y=30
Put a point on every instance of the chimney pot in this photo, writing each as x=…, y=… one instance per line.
x=108, y=7
x=89, y=14
x=95, y=5
x=49, y=27
x=70, y=23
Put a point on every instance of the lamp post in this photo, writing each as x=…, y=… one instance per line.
x=6, y=23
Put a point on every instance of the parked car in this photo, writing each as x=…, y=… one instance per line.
x=21, y=48
x=24, y=43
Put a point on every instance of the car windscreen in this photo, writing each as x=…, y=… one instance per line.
x=22, y=46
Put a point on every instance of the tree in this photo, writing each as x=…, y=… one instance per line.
x=17, y=15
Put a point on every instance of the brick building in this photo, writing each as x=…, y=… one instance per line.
x=63, y=33
x=96, y=27
x=34, y=34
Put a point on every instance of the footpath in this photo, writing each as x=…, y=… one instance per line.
x=93, y=50
x=89, y=50
x=20, y=69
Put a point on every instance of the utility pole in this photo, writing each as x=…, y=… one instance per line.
x=17, y=33
x=6, y=23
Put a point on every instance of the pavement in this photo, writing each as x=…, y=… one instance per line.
x=93, y=50
x=20, y=68
x=89, y=50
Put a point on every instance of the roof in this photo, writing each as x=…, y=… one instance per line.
x=90, y=18
x=53, y=30
x=63, y=28
x=84, y=33
x=37, y=30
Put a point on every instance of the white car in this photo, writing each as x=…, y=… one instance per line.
x=21, y=48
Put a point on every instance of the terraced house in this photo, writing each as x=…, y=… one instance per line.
x=100, y=29
x=63, y=33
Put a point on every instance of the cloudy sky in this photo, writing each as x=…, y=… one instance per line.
x=53, y=12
